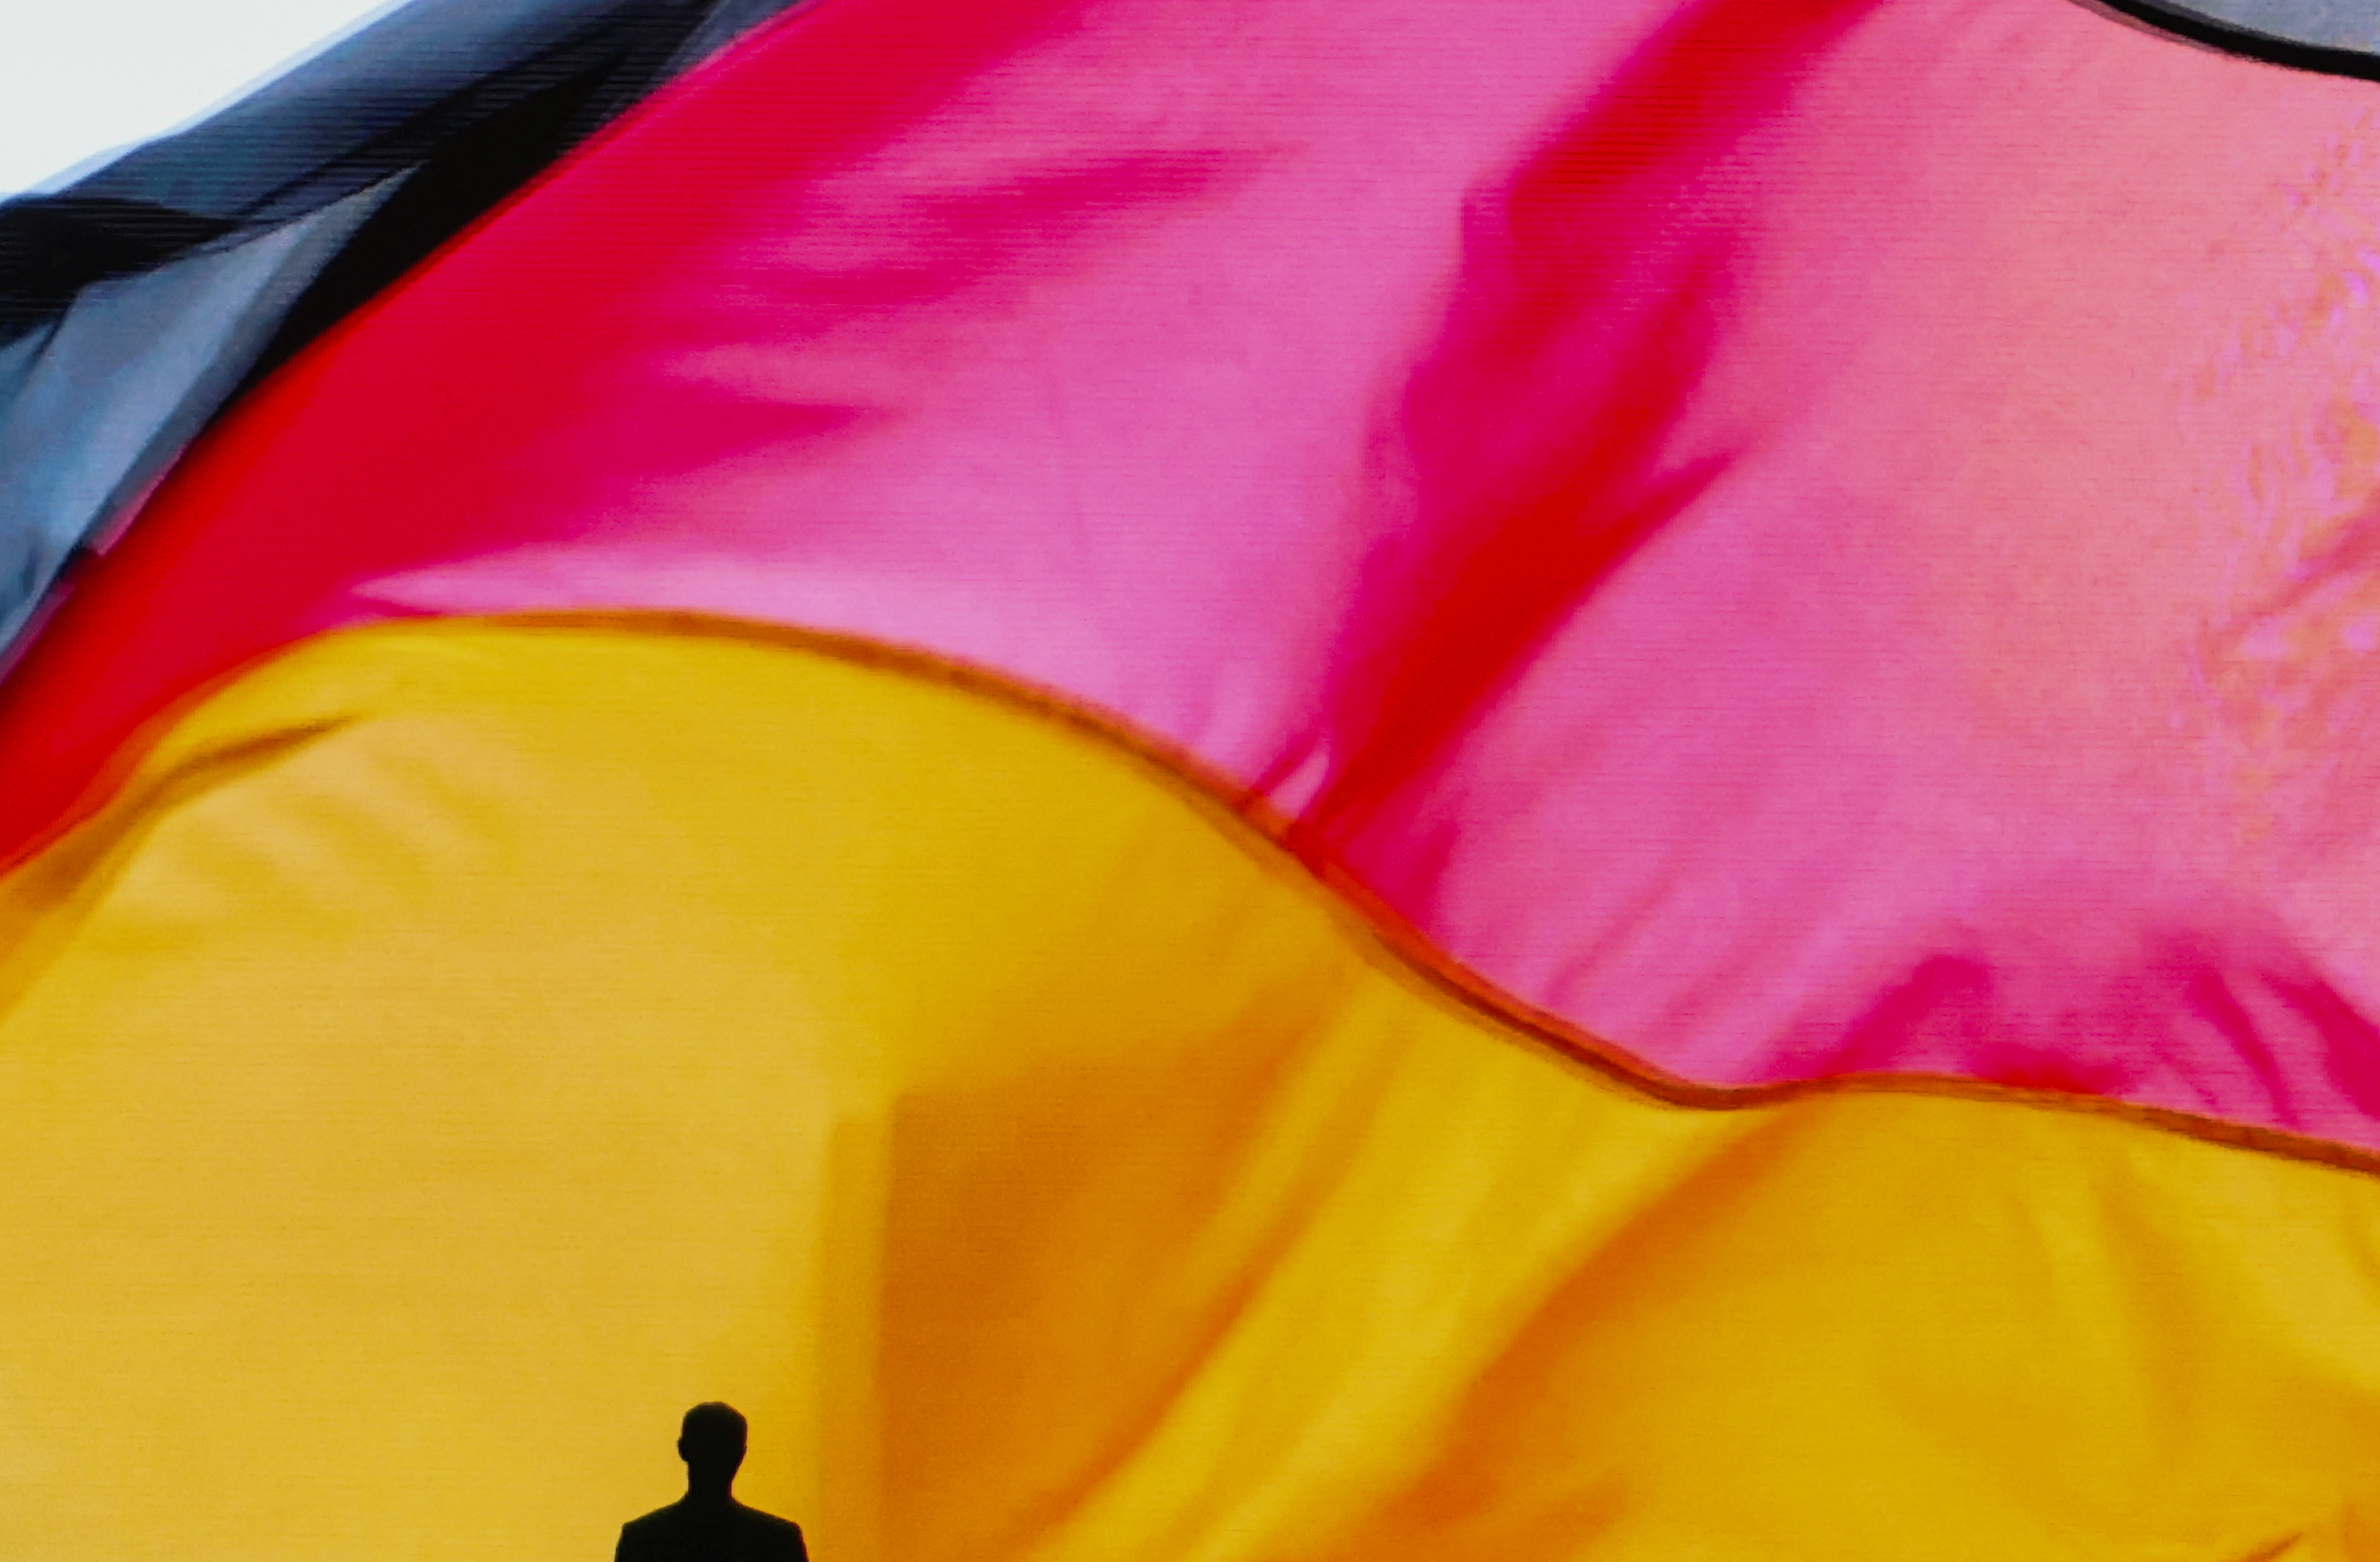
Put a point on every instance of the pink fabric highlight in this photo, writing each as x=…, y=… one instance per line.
x=1807, y=537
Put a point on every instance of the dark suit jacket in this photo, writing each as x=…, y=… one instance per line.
x=687, y=1532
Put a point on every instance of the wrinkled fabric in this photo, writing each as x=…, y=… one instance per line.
x=1793, y=538
x=459, y=1047
x=151, y=288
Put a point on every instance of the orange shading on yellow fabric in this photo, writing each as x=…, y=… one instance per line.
x=462, y=1046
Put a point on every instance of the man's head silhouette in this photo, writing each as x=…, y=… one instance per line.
x=708, y=1522
x=710, y=1440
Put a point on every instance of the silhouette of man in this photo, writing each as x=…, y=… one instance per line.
x=708, y=1524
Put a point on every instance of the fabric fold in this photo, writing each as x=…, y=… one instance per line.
x=460, y=1042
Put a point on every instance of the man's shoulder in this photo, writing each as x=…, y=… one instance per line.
x=770, y=1521
x=783, y=1536
x=642, y=1537
x=658, y=1518
x=764, y=1534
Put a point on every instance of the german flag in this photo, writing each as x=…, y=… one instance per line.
x=1255, y=781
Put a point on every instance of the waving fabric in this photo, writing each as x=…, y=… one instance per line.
x=499, y=1033
x=137, y=299
x=1302, y=779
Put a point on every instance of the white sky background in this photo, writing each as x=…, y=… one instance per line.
x=81, y=77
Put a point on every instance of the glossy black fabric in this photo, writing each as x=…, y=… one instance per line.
x=394, y=96
x=141, y=298
x=2333, y=37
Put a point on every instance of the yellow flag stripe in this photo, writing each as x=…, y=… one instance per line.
x=461, y=1046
